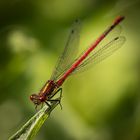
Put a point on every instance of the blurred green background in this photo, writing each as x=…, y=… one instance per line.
x=100, y=104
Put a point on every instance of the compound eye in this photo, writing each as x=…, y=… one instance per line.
x=33, y=96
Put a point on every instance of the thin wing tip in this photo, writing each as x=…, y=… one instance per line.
x=77, y=20
x=120, y=37
x=123, y=38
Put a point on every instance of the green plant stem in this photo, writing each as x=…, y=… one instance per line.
x=32, y=126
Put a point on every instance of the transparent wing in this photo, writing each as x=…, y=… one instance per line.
x=70, y=51
x=101, y=53
x=113, y=34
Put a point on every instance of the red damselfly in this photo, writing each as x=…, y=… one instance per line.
x=69, y=64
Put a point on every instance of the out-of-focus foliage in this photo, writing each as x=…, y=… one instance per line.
x=100, y=104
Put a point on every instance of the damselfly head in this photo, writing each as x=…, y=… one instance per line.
x=35, y=99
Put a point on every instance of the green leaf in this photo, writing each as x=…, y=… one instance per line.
x=32, y=126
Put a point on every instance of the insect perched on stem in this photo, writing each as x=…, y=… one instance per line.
x=68, y=64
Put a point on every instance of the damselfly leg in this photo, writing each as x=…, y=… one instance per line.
x=55, y=100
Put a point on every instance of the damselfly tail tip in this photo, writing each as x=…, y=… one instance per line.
x=119, y=19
